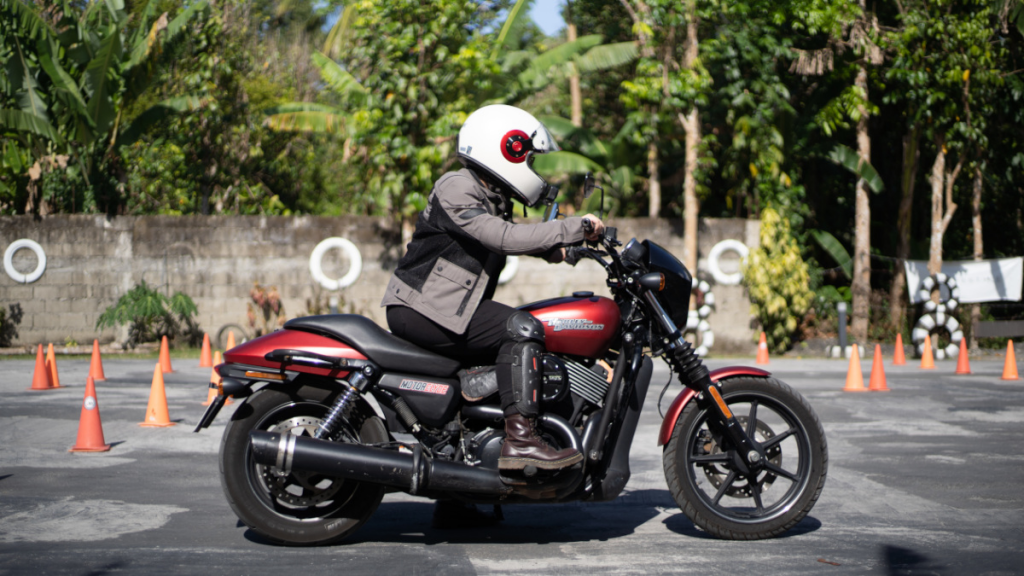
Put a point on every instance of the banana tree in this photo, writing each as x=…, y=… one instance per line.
x=72, y=72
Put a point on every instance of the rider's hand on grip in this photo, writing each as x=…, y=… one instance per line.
x=592, y=228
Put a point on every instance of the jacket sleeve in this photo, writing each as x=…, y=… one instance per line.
x=468, y=209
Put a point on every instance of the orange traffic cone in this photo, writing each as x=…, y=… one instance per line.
x=898, y=359
x=165, y=356
x=927, y=360
x=231, y=340
x=762, y=350
x=41, y=377
x=205, y=361
x=963, y=364
x=90, y=431
x=215, y=385
x=156, y=411
x=1010, y=367
x=96, y=366
x=854, y=376
x=877, y=381
x=51, y=366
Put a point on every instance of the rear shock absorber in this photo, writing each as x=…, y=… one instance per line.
x=342, y=406
x=338, y=411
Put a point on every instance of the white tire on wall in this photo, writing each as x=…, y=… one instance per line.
x=9, y=261
x=351, y=252
x=727, y=279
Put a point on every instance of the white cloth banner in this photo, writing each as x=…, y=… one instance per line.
x=979, y=280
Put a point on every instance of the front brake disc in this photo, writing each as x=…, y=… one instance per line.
x=740, y=488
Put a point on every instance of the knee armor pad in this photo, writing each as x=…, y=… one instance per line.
x=524, y=327
x=527, y=368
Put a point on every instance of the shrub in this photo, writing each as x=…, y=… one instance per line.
x=150, y=316
x=778, y=281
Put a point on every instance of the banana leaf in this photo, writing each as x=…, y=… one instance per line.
x=339, y=79
x=608, y=56
x=24, y=122
x=847, y=158
x=830, y=244
x=309, y=120
x=157, y=112
x=561, y=163
x=101, y=104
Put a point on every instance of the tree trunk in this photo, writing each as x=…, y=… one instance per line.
x=654, y=181
x=861, y=286
x=935, y=180
x=691, y=125
x=941, y=179
x=979, y=245
x=911, y=157
x=576, y=97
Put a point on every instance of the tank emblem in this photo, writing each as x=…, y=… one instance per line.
x=428, y=387
x=559, y=324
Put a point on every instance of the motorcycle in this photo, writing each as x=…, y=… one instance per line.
x=307, y=458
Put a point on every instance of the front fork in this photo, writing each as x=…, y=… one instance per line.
x=749, y=457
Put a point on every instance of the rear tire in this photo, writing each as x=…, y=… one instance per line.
x=297, y=508
x=729, y=505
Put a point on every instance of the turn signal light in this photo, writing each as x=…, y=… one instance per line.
x=264, y=375
x=653, y=281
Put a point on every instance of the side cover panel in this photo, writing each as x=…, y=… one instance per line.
x=669, y=423
x=431, y=399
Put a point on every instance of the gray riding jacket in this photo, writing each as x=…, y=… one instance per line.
x=459, y=249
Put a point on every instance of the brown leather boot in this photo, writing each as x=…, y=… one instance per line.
x=523, y=447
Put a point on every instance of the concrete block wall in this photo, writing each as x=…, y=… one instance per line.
x=93, y=260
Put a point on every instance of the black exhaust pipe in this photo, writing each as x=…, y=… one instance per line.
x=414, y=473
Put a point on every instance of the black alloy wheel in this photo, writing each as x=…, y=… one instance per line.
x=717, y=495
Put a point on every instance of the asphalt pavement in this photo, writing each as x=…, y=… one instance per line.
x=925, y=479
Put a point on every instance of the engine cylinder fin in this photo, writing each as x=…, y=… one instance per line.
x=586, y=383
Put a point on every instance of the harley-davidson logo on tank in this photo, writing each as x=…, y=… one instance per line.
x=560, y=324
x=581, y=325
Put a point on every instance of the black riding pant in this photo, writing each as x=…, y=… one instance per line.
x=481, y=343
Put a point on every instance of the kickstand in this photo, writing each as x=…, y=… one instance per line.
x=498, y=515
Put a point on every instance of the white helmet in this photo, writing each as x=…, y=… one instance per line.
x=502, y=141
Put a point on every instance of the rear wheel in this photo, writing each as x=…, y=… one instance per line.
x=718, y=497
x=296, y=508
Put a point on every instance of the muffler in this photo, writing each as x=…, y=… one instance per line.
x=414, y=473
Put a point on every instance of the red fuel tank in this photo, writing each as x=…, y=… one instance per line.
x=578, y=325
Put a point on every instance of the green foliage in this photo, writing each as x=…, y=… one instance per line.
x=836, y=250
x=9, y=324
x=848, y=158
x=150, y=316
x=777, y=279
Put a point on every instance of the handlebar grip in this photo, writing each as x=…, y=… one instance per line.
x=588, y=226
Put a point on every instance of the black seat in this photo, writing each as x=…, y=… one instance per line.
x=377, y=344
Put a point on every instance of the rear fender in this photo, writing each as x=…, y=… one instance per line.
x=669, y=423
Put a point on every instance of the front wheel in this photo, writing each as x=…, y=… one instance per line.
x=296, y=508
x=720, y=499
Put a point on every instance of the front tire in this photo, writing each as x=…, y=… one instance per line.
x=296, y=508
x=708, y=488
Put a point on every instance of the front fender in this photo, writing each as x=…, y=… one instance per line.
x=669, y=423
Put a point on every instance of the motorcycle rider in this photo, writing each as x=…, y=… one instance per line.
x=440, y=295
